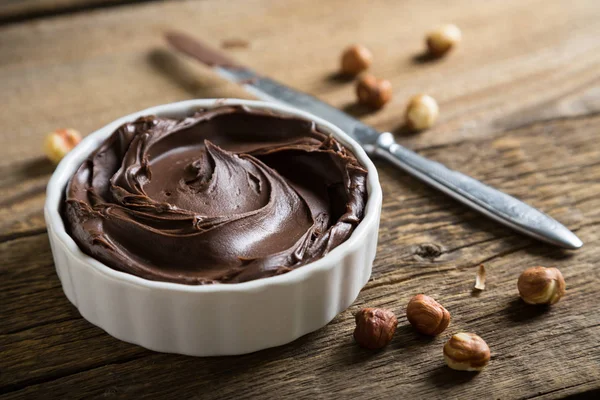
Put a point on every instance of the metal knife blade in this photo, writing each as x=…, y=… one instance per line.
x=270, y=90
x=485, y=199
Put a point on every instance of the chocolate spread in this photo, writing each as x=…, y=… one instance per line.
x=226, y=195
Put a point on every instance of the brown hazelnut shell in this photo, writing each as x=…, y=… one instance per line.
x=466, y=352
x=355, y=60
x=373, y=92
x=540, y=285
x=375, y=327
x=427, y=315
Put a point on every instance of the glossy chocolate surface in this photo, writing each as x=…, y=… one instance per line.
x=226, y=195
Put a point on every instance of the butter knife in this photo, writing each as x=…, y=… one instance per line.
x=483, y=198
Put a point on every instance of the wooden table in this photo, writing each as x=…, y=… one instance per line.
x=520, y=110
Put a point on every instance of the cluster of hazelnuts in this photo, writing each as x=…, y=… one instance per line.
x=422, y=110
x=375, y=327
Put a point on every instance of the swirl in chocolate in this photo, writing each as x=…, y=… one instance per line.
x=227, y=195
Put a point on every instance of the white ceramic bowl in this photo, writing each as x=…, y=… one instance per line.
x=221, y=319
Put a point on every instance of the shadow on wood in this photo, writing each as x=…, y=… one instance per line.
x=549, y=251
x=521, y=312
x=340, y=78
x=407, y=337
x=36, y=167
x=173, y=68
x=424, y=57
x=404, y=130
x=446, y=377
x=229, y=366
x=357, y=110
x=28, y=170
x=358, y=355
x=192, y=81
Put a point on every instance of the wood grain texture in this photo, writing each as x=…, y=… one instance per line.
x=12, y=11
x=520, y=110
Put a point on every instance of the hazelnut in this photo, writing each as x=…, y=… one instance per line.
x=443, y=39
x=355, y=60
x=422, y=112
x=375, y=327
x=539, y=285
x=60, y=142
x=373, y=92
x=466, y=352
x=427, y=315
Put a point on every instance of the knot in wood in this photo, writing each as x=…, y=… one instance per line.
x=429, y=251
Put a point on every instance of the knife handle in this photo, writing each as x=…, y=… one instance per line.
x=485, y=199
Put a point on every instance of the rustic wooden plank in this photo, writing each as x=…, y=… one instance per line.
x=23, y=186
x=139, y=56
x=563, y=338
x=520, y=105
x=20, y=10
x=31, y=293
